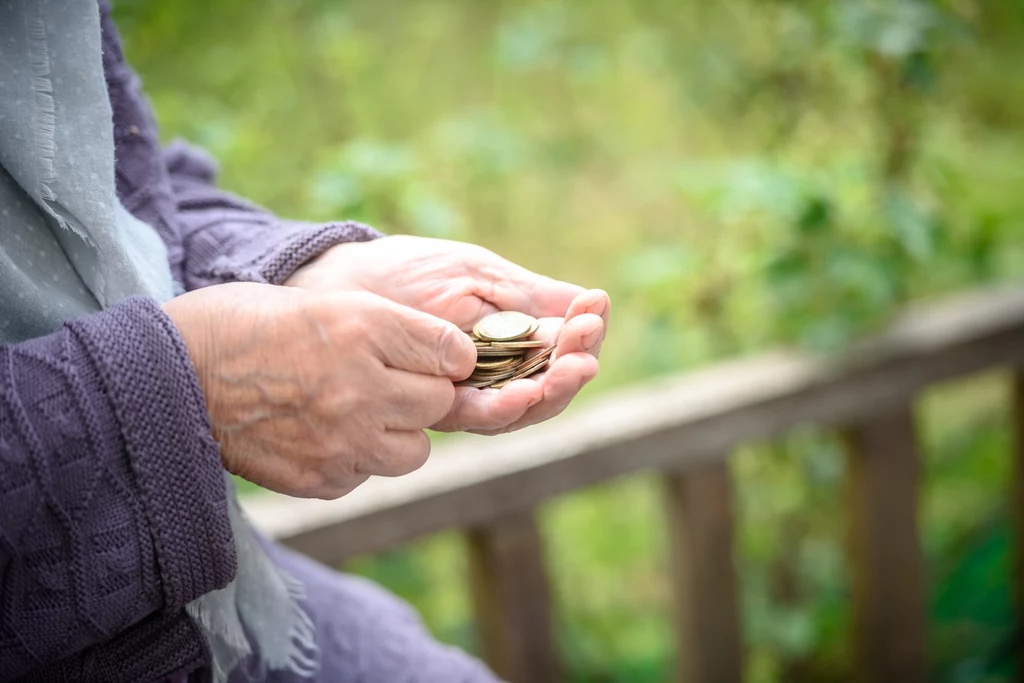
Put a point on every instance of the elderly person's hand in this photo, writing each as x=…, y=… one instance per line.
x=462, y=283
x=310, y=393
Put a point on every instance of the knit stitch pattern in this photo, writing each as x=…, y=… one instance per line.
x=112, y=502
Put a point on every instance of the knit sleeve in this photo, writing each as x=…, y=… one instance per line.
x=113, y=507
x=228, y=239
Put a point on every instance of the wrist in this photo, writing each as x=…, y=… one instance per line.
x=335, y=269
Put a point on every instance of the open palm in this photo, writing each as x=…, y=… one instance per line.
x=462, y=283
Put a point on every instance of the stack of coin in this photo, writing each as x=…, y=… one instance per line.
x=502, y=343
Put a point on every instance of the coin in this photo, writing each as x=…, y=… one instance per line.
x=492, y=376
x=489, y=352
x=476, y=383
x=505, y=326
x=498, y=363
x=502, y=343
x=525, y=344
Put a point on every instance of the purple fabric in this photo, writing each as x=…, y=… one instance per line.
x=112, y=505
x=102, y=526
x=367, y=635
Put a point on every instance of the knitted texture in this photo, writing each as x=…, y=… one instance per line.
x=101, y=522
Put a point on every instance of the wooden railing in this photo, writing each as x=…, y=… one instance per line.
x=685, y=427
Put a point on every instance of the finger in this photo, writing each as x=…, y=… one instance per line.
x=594, y=301
x=511, y=287
x=489, y=409
x=558, y=386
x=583, y=328
x=413, y=401
x=548, y=330
x=406, y=339
x=468, y=311
x=292, y=478
x=399, y=453
x=582, y=334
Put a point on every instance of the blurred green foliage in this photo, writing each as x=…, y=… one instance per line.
x=737, y=174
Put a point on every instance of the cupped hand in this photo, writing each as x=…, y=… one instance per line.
x=577, y=338
x=462, y=283
x=309, y=393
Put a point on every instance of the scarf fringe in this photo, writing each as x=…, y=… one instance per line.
x=45, y=119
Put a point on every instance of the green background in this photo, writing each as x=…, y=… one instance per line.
x=738, y=175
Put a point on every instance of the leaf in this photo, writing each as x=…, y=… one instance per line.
x=816, y=216
x=912, y=227
x=892, y=28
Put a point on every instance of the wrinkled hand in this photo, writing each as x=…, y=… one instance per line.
x=309, y=394
x=461, y=283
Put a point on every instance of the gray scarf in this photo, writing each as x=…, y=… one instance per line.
x=68, y=248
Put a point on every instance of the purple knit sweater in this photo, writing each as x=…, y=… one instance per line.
x=112, y=505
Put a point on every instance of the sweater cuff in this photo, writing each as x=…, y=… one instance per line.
x=278, y=249
x=145, y=371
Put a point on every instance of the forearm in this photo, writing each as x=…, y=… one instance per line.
x=112, y=500
x=227, y=239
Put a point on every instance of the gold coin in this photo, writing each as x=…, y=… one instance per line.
x=539, y=356
x=491, y=353
x=539, y=359
x=492, y=376
x=493, y=371
x=535, y=364
x=498, y=363
x=523, y=374
x=525, y=344
x=505, y=326
x=476, y=384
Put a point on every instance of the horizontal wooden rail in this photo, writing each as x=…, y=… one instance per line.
x=673, y=423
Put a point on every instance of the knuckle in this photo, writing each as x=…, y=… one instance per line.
x=419, y=454
x=369, y=457
x=357, y=329
x=310, y=483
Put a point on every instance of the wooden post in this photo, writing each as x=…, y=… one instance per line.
x=700, y=521
x=512, y=601
x=888, y=578
x=1017, y=503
